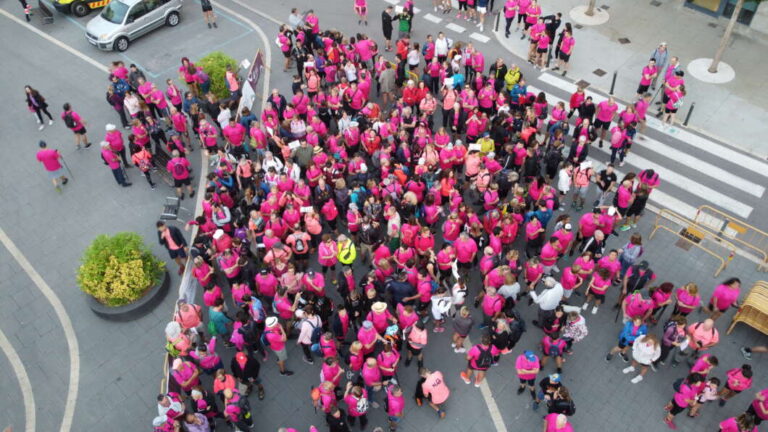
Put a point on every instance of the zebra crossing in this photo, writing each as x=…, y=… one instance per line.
x=456, y=28
x=688, y=180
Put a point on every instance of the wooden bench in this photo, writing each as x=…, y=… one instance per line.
x=46, y=14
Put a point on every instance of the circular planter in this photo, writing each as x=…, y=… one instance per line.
x=136, y=309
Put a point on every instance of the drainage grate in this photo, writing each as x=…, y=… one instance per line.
x=579, y=26
x=582, y=83
x=713, y=25
x=684, y=245
x=691, y=235
x=655, y=3
x=599, y=72
x=624, y=41
x=606, y=7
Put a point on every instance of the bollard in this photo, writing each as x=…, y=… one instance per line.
x=688, y=116
x=498, y=18
x=613, y=83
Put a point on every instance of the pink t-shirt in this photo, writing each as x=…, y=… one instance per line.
x=725, y=296
x=552, y=424
x=599, y=285
x=351, y=402
x=275, y=339
x=605, y=111
x=395, y=404
x=730, y=425
x=50, y=159
x=474, y=354
x=523, y=363
x=568, y=280
x=465, y=249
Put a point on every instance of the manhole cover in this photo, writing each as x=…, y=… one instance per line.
x=579, y=26
x=623, y=41
x=713, y=25
x=606, y=7
x=598, y=72
x=582, y=83
x=655, y=3
x=683, y=244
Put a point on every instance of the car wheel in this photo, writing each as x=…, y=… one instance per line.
x=80, y=9
x=173, y=19
x=121, y=44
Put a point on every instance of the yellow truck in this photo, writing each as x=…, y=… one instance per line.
x=78, y=8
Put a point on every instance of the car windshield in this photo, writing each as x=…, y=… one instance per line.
x=115, y=12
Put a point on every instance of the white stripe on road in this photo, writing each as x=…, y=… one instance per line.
x=56, y=42
x=705, y=168
x=719, y=150
x=704, y=192
x=662, y=199
x=66, y=325
x=416, y=10
x=722, y=151
x=432, y=18
x=394, y=2
x=456, y=28
x=480, y=37
x=490, y=402
x=24, y=384
x=683, y=182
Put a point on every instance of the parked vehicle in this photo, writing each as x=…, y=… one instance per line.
x=124, y=21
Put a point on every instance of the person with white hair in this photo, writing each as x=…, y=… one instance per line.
x=548, y=299
x=555, y=422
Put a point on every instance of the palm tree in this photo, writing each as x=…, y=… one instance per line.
x=727, y=35
x=591, y=8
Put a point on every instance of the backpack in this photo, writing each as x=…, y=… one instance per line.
x=179, y=169
x=263, y=339
x=170, y=347
x=299, y=245
x=257, y=310
x=485, y=359
x=317, y=331
x=69, y=121
x=362, y=405
x=565, y=407
x=144, y=165
x=245, y=410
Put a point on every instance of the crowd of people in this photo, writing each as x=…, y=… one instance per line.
x=347, y=225
x=386, y=198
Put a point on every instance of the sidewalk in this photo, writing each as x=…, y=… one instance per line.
x=735, y=113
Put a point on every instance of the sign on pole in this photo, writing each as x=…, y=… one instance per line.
x=251, y=82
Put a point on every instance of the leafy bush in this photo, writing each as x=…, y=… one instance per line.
x=215, y=65
x=118, y=270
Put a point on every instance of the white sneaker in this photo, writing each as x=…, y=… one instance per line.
x=50, y=122
x=555, y=268
x=636, y=379
x=628, y=369
x=594, y=310
x=585, y=306
x=461, y=350
x=41, y=127
x=481, y=27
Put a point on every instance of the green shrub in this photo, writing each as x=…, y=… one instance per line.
x=215, y=65
x=118, y=270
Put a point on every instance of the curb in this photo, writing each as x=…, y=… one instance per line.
x=135, y=310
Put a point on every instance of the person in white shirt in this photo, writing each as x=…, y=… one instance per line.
x=511, y=287
x=549, y=298
x=441, y=304
x=441, y=47
x=270, y=161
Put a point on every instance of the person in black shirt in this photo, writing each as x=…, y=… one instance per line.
x=386, y=27
x=337, y=420
x=587, y=109
x=606, y=180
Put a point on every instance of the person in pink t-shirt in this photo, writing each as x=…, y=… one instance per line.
x=723, y=297
x=743, y=423
x=555, y=422
x=647, y=76
x=76, y=124
x=606, y=110
x=527, y=366
x=738, y=380
x=179, y=166
x=51, y=160
x=479, y=360
x=356, y=399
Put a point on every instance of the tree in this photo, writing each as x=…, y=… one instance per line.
x=591, y=8
x=727, y=35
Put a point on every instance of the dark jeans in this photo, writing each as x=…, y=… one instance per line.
x=119, y=177
x=620, y=151
x=509, y=23
x=38, y=110
x=363, y=421
x=148, y=176
x=307, y=351
x=123, y=117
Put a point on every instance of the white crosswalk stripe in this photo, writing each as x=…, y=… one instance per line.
x=455, y=27
x=432, y=18
x=480, y=37
x=706, y=193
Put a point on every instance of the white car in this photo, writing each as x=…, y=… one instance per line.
x=123, y=21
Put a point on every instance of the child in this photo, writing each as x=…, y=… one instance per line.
x=708, y=394
x=527, y=366
x=564, y=182
x=441, y=304
x=461, y=327
x=738, y=380
x=553, y=346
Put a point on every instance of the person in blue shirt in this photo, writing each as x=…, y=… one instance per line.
x=631, y=331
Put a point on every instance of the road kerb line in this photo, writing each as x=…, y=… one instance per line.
x=24, y=384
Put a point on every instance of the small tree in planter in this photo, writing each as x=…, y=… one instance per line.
x=215, y=65
x=118, y=270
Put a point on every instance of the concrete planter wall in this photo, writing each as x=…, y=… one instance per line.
x=136, y=309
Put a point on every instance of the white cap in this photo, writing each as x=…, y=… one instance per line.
x=611, y=211
x=586, y=164
x=271, y=321
x=218, y=234
x=110, y=127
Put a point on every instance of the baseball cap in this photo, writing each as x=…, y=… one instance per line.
x=554, y=378
x=530, y=355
